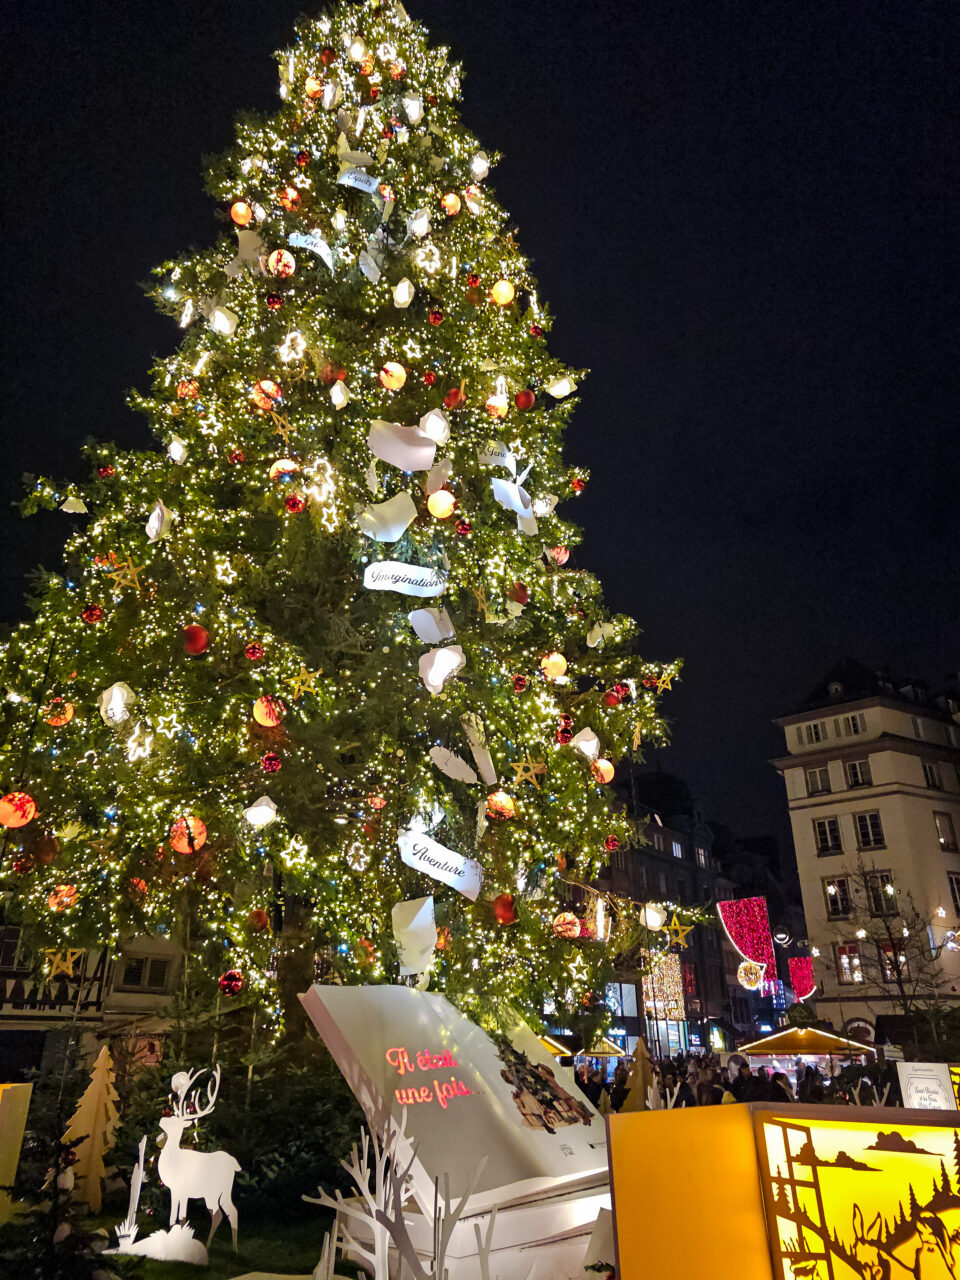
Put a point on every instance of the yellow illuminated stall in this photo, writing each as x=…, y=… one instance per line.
x=14, y=1104
x=822, y=1193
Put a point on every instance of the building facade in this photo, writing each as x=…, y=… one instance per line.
x=872, y=776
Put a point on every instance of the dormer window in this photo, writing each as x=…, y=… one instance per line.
x=835, y=690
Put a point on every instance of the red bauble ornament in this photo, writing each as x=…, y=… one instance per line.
x=611, y=698
x=231, y=982
x=70, y=1157
x=464, y=528
x=504, y=909
x=578, y=484
x=565, y=721
x=274, y=301
x=611, y=844
x=366, y=67
x=563, y=736
x=376, y=802
x=429, y=377
x=473, y=280
x=236, y=456
x=258, y=920
x=22, y=866
x=295, y=503
x=105, y=471
x=397, y=71
x=167, y=1111
x=196, y=639
x=525, y=399
x=453, y=399
x=386, y=132
x=536, y=331
x=435, y=317
x=271, y=763
x=375, y=93
x=559, y=555
x=91, y=613
x=327, y=56
x=188, y=390
x=520, y=683
x=566, y=925
x=303, y=159
x=621, y=688
x=254, y=651
x=519, y=593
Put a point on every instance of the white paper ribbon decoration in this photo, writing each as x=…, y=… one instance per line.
x=408, y=448
x=249, y=249
x=431, y=625
x=496, y=454
x=357, y=178
x=159, y=522
x=477, y=741
x=513, y=497
x=438, y=475
x=114, y=703
x=74, y=506
x=314, y=242
x=436, y=425
x=408, y=579
x=421, y=853
x=452, y=765
x=415, y=933
x=386, y=521
x=437, y=666
x=599, y=632
x=587, y=742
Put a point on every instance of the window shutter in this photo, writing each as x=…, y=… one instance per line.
x=836, y=728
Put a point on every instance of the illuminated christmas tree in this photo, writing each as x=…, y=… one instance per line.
x=322, y=653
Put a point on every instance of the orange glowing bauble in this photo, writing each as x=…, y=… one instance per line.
x=313, y=87
x=283, y=467
x=281, y=263
x=375, y=801
x=602, y=769
x=450, y=204
x=559, y=555
x=566, y=925
x=501, y=805
x=441, y=504
x=265, y=394
x=63, y=897
x=17, y=809
x=258, y=920
x=59, y=713
x=393, y=375
x=289, y=198
x=503, y=293
x=444, y=938
x=268, y=711
x=553, y=665
x=241, y=213
x=188, y=834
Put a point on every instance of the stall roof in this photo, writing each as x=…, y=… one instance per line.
x=803, y=1040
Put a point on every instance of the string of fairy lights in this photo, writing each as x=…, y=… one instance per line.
x=240, y=701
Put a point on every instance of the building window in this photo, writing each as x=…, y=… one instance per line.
x=818, y=781
x=858, y=773
x=619, y=859
x=658, y=840
x=141, y=973
x=827, y=833
x=677, y=849
x=815, y=732
x=931, y=775
x=945, y=832
x=836, y=894
x=701, y=856
x=851, y=726
x=10, y=954
x=889, y=967
x=869, y=830
x=881, y=894
x=848, y=963
x=917, y=727
x=954, y=878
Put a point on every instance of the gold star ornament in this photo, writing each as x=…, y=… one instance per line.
x=677, y=932
x=664, y=681
x=303, y=681
x=528, y=770
x=127, y=575
x=63, y=961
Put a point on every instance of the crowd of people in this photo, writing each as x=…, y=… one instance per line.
x=699, y=1080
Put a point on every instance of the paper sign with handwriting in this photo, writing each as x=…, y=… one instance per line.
x=357, y=178
x=408, y=579
x=423, y=854
x=314, y=242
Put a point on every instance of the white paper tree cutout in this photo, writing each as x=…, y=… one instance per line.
x=95, y=1120
x=379, y=1208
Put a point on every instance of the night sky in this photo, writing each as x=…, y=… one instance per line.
x=745, y=219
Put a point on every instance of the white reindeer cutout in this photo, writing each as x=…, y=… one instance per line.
x=196, y=1175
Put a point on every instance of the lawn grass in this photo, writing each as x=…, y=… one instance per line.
x=276, y=1247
